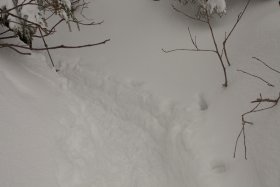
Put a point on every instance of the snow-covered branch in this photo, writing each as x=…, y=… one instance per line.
x=29, y=19
x=210, y=6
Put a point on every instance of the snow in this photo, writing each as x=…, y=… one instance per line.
x=216, y=5
x=101, y=126
x=126, y=114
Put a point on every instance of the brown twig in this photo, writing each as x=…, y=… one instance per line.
x=258, y=77
x=216, y=50
x=55, y=47
x=187, y=15
x=244, y=122
x=46, y=46
x=183, y=49
x=219, y=52
x=227, y=36
x=261, y=61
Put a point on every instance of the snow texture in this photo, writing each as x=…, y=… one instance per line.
x=124, y=134
x=108, y=132
x=84, y=128
x=218, y=6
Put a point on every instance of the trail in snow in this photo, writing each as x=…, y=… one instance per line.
x=99, y=131
x=121, y=135
x=81, y=128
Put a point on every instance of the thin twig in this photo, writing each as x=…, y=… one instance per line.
x=261, y=61
x=205, y=19
x=54, y=47
x=245, y=122
x=46, y=45
x=187, y=15
x=258, y=77
x=217, y=50
x=18, y=51
x=182, y=49
x=227, y=36
x=242, y=131
x=193, y=40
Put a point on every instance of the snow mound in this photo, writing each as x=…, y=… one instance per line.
x=122, y=135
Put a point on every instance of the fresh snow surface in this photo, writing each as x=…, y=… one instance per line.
x=105, y=132
x=128, y=115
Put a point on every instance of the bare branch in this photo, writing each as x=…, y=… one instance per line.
x=225, y=50
x=205, y=19
x=268, y=100
x=273, y=69
x=187, y=15
x=274, y=101
x=258, y=77
x=193, y=40
x=239, y=17
x=217, y=50
x=54, y=47
x=18, y=51
x=194, y=50
x=245, y=122
x=227, y=36
x=46, y=46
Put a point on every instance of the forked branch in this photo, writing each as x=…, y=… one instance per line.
x=245, y=122
x=227, y=36
x=218, y=48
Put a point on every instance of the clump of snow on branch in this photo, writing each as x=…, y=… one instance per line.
x=212, y=6
x=24, y=17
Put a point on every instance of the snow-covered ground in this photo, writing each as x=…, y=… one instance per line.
x=125, y=114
